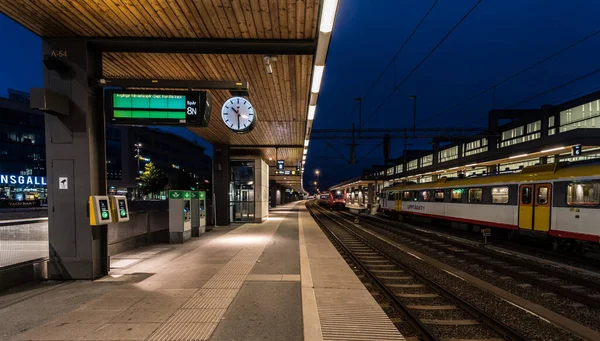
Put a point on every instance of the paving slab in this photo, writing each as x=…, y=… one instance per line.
x=263, y=311
x=282, y=254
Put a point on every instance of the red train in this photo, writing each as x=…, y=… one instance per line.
x=335, y=199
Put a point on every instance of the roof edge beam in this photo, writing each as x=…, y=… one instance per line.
x=260, y=146
x=205, y=46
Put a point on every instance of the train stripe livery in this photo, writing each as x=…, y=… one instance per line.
x=556, y=200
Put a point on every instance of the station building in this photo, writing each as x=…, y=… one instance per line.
x=22, y=152
x=515, y=138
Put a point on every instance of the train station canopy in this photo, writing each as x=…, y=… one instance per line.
x=210, y=40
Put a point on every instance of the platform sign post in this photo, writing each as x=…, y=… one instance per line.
x=486, y=233
x=180, y=220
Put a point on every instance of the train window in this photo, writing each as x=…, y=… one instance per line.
x=438, y=196
x=475, y=194
x=526, y=195
x=406, y=196
x=426, y=195
x=542, y=196
x=499, y=195
x=415, y=195
x=390, y=195
x=583, y=194
x=456, y=195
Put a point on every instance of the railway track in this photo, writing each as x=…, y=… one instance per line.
x=432, y=311
x=568, y=285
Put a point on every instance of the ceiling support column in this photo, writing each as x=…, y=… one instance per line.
x=75, y=150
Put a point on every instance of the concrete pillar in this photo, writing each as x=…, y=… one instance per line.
x=75, y=148
x=221, y=182
x=546, y=112
x=371, y=196
x=273, y=193
x=361, y=198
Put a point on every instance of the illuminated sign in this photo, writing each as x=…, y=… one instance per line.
x=147, y=107
x=104, y=215
x=6, y=179
x=576, y=151
x=122, y=208
x=280, y=165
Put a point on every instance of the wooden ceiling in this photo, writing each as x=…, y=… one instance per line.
x=239, y=19
x=280, y=99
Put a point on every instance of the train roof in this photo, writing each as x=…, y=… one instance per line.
x=536, y=173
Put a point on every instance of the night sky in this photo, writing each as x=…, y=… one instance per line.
x=498, y=39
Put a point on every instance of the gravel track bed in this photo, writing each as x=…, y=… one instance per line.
x=573, y=310
x=530, y=326
x=403, y=327
x=521, y=246
x=442, y=315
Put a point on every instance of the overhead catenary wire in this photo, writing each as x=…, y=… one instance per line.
x=528, y=68
x=392, y=61
x=423, y=60
x=554, y=88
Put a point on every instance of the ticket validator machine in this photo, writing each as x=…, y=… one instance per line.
x=100, y=216
x=119, y=208
x=198, y=213
x=100, y=213
x=180, y=216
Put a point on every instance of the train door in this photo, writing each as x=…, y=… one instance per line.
x=398, y=201
x=534, y=207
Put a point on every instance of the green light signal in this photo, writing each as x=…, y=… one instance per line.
x=123, y=213
x=104, y=215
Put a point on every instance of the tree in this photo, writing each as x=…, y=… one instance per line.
x=153, y=180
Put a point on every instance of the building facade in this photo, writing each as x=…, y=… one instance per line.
x=516, y=138
x=22, y=152
x=184, y=163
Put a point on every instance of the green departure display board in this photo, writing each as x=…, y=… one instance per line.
x=138, y=107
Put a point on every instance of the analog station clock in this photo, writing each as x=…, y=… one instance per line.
x=238, y=114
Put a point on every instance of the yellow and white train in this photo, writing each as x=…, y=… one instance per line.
x=560, y=201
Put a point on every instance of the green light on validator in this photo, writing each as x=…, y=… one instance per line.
x=104, y=215
x=123, y=213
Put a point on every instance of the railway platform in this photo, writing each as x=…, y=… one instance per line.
x=278, y=280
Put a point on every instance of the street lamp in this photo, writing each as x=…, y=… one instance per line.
x=414, y=98
x=138, y=148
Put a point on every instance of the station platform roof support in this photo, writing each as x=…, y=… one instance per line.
x=89, y=45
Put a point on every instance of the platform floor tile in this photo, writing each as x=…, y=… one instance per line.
x=197, y=315
x=184, y=332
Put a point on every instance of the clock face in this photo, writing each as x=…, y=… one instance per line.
x=238, y=114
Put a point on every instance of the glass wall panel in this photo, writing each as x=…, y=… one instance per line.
x=242, y=191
